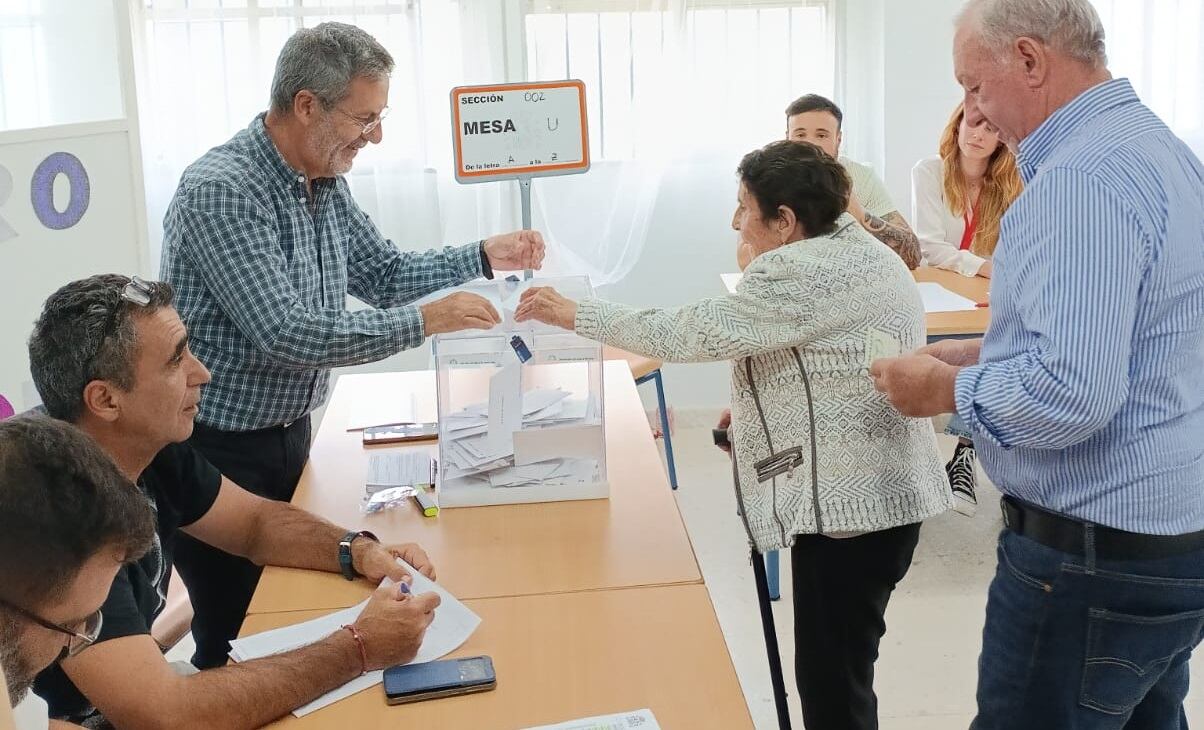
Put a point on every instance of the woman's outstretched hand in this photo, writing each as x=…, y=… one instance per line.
x=545, y=304
x=724, y=425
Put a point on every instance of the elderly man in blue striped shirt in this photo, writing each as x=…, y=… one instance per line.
x=1087, y=393
x=263, y=242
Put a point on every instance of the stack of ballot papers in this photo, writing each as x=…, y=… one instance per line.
x=543, y=436
x=454, y=623
x=400, y=469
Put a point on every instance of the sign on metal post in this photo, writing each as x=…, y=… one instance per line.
x=520, y=131
x=512, y=131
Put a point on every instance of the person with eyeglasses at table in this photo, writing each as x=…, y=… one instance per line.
x=69, y=521
x=263, y=243
x=110, y=355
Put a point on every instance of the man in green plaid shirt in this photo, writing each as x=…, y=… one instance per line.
x=263, y=243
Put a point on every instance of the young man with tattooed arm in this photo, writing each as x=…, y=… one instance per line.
x=814, y=119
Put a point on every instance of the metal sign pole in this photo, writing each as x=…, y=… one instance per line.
x=524, y=190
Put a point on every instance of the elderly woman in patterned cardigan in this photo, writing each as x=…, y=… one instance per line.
x=824, y=465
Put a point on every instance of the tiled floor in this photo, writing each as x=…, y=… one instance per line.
x=927, y=671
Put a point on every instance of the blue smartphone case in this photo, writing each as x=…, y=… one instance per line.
x=412, y=679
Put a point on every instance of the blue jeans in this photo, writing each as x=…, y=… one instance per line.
x=1071, y=642
x=957, y=427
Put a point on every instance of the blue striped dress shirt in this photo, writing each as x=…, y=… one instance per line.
x=1088, y=398
x=262, y=272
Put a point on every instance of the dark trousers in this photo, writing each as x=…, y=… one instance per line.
x=1074, y=643
x=267, y=462
x=841, y=587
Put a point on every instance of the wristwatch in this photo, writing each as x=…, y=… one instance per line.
x=486, y=267
x=345, y=562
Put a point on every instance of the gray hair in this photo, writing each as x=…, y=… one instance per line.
x=1070, y=26
x=323, y=60
x=85, y=333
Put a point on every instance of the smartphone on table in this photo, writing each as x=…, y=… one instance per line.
x=446, y=678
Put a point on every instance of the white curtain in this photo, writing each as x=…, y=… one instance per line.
x=206, y=69
x=1157, y=45
x=695, y=82
x=691, y=84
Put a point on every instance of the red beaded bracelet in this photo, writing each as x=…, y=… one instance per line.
x=359, y=640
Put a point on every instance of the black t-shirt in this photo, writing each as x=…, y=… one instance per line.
x=181, y=486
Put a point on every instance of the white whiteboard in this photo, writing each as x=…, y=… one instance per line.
x=84, y=228
x=507, y=131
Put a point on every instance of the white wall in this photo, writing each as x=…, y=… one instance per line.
x=66, y=77
x=920, y=91
x=690, y=243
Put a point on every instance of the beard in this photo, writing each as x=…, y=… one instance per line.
x=333, y=149
x=18, y=673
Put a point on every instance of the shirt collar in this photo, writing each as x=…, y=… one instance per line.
x=1037, y=147
x=267, y=150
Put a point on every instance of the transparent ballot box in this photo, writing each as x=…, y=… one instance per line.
x=521, y=407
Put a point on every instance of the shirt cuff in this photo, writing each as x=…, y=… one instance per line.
x=964, y=388
x=968, y=264
x=467, y=261
x=409, y=326
x=589, y=319
x=486, y=267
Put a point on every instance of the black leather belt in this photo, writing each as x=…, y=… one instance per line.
x=1068, y=535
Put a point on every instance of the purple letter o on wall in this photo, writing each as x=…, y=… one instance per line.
x=42, y=190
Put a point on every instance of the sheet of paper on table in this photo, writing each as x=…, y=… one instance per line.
x=635, y=720
x=454, y=623
x=939, y=299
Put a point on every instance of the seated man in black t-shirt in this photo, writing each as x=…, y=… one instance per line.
x=110, y=355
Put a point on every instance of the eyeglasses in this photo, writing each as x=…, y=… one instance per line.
x=137, y=291
x=368, y=127
x=79, y=640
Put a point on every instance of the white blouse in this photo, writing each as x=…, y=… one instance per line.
x=940, y=230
